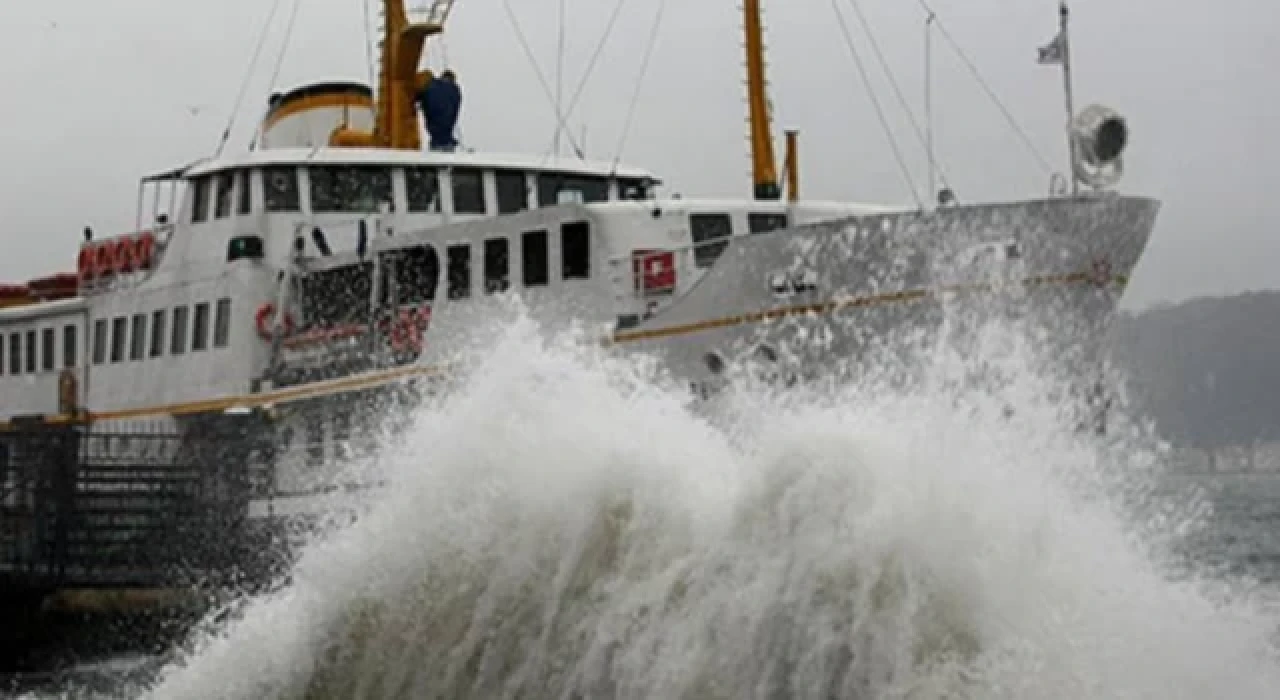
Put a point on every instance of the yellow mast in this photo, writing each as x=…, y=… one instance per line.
x=764, y=170
x=395, y=122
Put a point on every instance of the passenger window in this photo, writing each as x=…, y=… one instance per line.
x=15, y=354
x=31, y=352
x=765, y=222
x=157, y=333
x=222, y=324
x=497, y=266
x=350, y=188
x=417, y=274
x=554, y=188
x=633, y=190
x=422, y=186
x=99, y=341
x=513, y=192
x=69, y=350
x=533, y=253
x=2, y=365
x=468, y=191
x=711, y=234
x=178, y=342
x=459, y=271
x=200, y=332
x=119, y=334
x=138, y=337
x=48, y=349
x=280, y=189
x=246, y=194
x=575, y=251
x=200, y=199
x=225, y=189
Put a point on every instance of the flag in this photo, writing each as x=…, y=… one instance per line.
x=1054, y=52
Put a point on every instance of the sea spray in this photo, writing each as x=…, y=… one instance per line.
x=564, y=527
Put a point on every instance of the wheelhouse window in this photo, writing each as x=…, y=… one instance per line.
x=336, y=297
x=15, y=354
x=633, y=189
x=245, y=194
x=468, y=191
x=575, y=251
x=48, y=349
x=200, y=332
x=422, y=186
x=711, y=234
x=557, y=188
x=200, y=199
x=280, y=188
x=178, y=341
x=31, y=352
x=533, y=256
x=119, y=334
x=222, y=323
x=350, y=188
x=765, y=222
x=497, y=266
x=513, y=191
x=138, y=337
x=459, y=273
x=99, y=341
x=225, y=188
x=69, y=349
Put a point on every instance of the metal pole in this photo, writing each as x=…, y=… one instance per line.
x=1065, y=16
x=928, y=104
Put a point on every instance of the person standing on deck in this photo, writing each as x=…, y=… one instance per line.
x=441, y=102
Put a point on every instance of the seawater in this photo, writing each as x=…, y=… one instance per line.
x=568, y=525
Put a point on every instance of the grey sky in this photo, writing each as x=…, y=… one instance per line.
x=100, y=96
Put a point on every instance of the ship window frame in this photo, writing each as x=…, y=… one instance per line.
x=422, y=189
x=100, y=341
x=48, y=349
x=458, y=271
x=507, y=197
x=137, y=337
x=200, y=199
x=496, y=255
x=593, y=188
x=222, y=323
x=15, y=354
x=119, y=338
x=284, y=199
x=707, y=249
x=159, y=333
x=70, y=341
x=342, y=188
x=200, y=327
x=575, y=255
x=476, y=201
x=224, y=190
x=244, y=192
x=178, y=330
x=3, y=366
x=535, y=259
x=761, y=222
x=31, y=351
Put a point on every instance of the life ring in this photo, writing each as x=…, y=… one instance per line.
x=85, y=264
x=123, y=254
x=406, y=332
x=263, y=320
x=104, y=260
x=144, y=246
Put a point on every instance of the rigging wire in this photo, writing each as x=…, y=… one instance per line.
x=537, y=70
x=244, y=84
x=897, y=90
x=559, y=77
x=875, y=102
x=595, y=58
x=275, y=73
x=368, y=40
x=973, y=70
x=635, y=95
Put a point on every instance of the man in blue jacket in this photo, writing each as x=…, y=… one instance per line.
x=441, y=102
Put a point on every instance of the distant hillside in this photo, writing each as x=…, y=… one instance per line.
x=1207, y=370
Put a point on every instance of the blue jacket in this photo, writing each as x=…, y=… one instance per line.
x=441, y=103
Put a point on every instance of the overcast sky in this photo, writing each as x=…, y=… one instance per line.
x=99, y=95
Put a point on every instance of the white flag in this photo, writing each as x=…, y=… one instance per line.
x=1055, y=52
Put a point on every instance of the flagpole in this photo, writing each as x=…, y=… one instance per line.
x=1064, y=15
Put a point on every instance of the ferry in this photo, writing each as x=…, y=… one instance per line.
x=341, y=259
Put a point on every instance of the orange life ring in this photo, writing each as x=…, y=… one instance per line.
x=144, y=247
x=123, y=254
x=263, y=320
x=104, y=259
x=85, y=264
